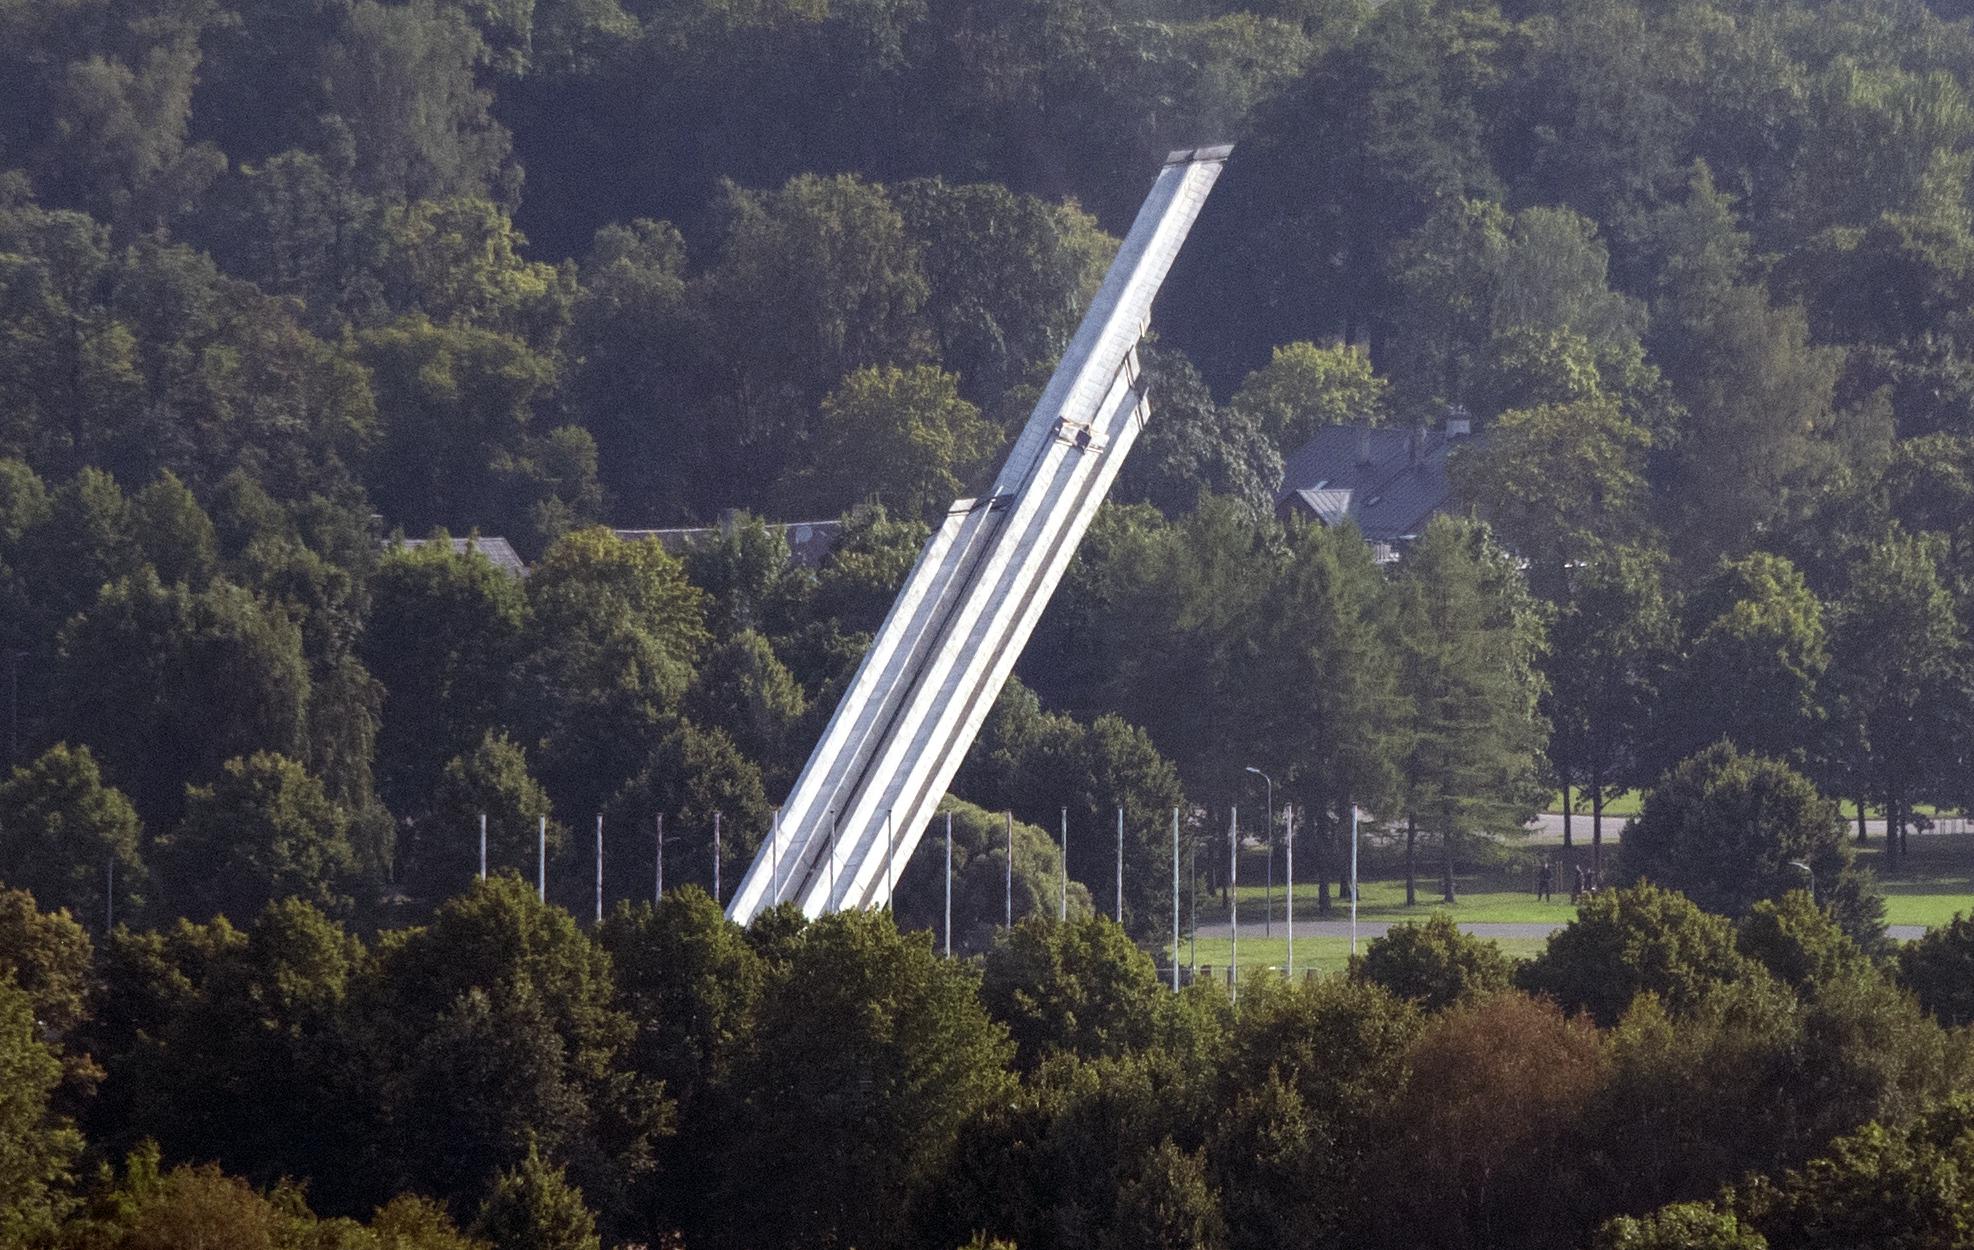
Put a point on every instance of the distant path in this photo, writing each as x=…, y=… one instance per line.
x=1482, y=929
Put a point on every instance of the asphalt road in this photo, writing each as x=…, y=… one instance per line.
x=1485, y=929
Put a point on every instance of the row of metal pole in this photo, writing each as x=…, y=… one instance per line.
x=1233, y=877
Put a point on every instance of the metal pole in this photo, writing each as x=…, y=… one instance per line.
x=1353, y=880
x=599, y=868
x=1010, y=866
x=1288, y=833
x=716, y=857
x=1234, y=902
x=949, y=885
x=1063, y=859
x=483, y=846
x=14, y=659
x=541, y=860
x=109, y=896
x=658, y=882
x=1175, y=900
x=1268, y=840
x=1192, y=914
x=1120, y=865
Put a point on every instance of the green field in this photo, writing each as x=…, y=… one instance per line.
x=1932, y=882
x=1324, y=955
x=1927, y=887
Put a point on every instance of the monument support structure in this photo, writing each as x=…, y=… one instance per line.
x=967, y=608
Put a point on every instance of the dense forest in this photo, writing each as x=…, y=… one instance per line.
x=283, y=282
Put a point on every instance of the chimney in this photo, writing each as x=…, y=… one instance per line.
x=1459, y=424
x=1363, y=444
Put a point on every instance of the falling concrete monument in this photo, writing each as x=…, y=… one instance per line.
x=952, y=637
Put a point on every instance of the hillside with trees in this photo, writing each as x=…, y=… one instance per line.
x=284, y=285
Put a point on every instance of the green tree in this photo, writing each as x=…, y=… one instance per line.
x=1304, y=388
x=614, y=633
x=1681, y=1226
x=1169, y=1205
x=263, y=830
x=1629, y=941
x=1759, y=398
x=688, y=778
x=1469, y=640
x=458, y=407
x=1893, y=1185
x=491, y=781
x=174, y=533
x=744, y=689
x=442, y=634
x=1006, y=277
x=629, y=346
x=1898, y=663
x=1080, y=988
x=69, y=839
x=1193, y=448
x=1727, y=829
x=1561, y=482
x=51, y=960
x=533, y=1207
x=871, y=1054
x=37, y=1149
x=814, y=282
x=903, y=437
x=692, y=982
x=402, y=80
x=1496, y=1087
x=166, y=684
x=1434, y=964
x=495, y=1033
x=1300, y=1106
x=1755, y=654
x=984, y=890
x=1936, y=968
x=1611, y=645
x=1328, y=699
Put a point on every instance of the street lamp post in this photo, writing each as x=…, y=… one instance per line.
x=1808, y=872
x=1268, y=915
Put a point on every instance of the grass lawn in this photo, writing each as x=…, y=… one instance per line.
x=1502, y=890
x=1927, y=887
x=1932, y=882
x=1622, y=805
x=1325, y=955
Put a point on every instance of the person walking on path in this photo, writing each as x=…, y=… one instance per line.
x=1545, y=880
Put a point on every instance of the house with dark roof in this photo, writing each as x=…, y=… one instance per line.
x=499, y=552
x=1389, y=481
x=808, y=541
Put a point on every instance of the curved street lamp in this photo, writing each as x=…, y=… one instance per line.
x=1268, y=912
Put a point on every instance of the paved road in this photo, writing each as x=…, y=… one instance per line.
x=1485, y=929
x=1548, y=827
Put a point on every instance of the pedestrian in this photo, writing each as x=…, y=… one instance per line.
x=1577, y=894
x=1545, y=880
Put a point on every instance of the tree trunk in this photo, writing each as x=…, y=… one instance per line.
x=1597, y=827
x=1411, y=846
x=1320, y=852
x=1446, y=848
x=1566, y=814
x=1860, y=819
